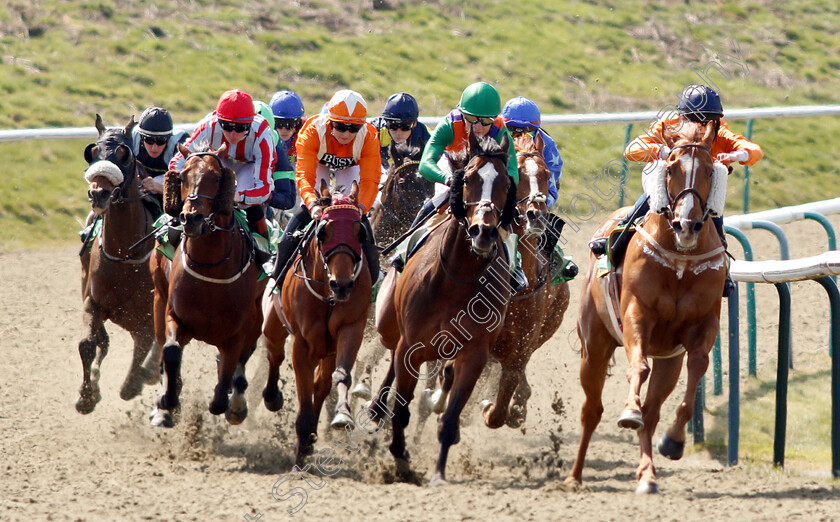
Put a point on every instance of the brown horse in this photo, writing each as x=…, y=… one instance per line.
x=669, y=288
x=535, y=313
x=116, y=284
x=209, y=291
x=450, y=299
x=323, y=303
x=403, y=194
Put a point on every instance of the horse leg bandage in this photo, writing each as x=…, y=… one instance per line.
x=341, y=376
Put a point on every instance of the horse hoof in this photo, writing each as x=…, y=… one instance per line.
x=150, y=377
x=485, y=405
x=631, y=419
x=647, y=487
x=85, y=405
x=236, y=417
x=362, y=391
x=161, y=419
x=438, y=480
x=670, y=448
x=219, y=406
x=341, y=421
x=404, y=473
x=438, y=401
x=273, y=403
x=131, y=388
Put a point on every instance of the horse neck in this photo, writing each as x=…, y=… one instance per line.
x=459, y=258
x=212, y=248
x=126, y=221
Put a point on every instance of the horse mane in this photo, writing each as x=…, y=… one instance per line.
x=405, y=151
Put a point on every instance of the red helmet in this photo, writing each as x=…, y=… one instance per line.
x=347, y=106
x=236, y=106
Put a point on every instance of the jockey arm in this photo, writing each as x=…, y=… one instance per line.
x=730, y=142
x=647, y=147
x=283, y=195
x=442, y=136
x=369, y=169
x=555, y=165
x=262, y=154
x=307, y=161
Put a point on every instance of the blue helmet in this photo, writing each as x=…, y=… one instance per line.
x=700, y=103
x=521, y=112
x=286, y=104
x=401, y=106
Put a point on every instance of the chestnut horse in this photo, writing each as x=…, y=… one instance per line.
x=403, y=194
x=116, y=283
x=209, y=291
x=669, y=287
x=324, y=304
x=535, y=313
x=450, y=299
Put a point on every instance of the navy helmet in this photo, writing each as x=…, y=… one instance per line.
x=155, y=122
x=401, y=106
x=700, y=103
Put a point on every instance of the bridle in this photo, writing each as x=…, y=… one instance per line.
x=689, y=189
x=194, y=196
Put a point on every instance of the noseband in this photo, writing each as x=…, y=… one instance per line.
x=669, y=210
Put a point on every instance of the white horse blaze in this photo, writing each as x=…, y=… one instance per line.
x=488, y=175
x=532, y=169
x=689, y=164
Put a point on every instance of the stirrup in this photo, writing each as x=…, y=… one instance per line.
x=518, y=280
x=728, y=286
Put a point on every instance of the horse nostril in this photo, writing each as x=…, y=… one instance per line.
x=182, y=217
x=350, y=286
x=494, y=233
x=532, y=216
x=334, y=286
x=474, y=231
x=698, y=226
x=677, y=226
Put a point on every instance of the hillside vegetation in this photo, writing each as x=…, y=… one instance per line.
x=62, y=62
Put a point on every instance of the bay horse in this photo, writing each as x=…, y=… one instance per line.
x=116, y=284
x=534, y=313
x=323, y=303
x=670, y=287
x=209, y=291
x=450, y=300
x=403, y=194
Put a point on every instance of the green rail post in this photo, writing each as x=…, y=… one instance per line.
x=834, y=297
x=747, y=173
x=782, y=374
x=624, y=166
x=717, y=362
x=751, y=321
x=695, y=425
x=734, y=379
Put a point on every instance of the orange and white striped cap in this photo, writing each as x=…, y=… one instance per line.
x=347, y=106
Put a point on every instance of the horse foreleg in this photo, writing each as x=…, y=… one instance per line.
x=94, y=346
x=593, y=374
x=379, y=403
x=467, y=371
x=672, y=443
x=151, y=366
x=307, y=421
x=137, y=376
x=323, y=385
x=519, y=409
x=228, y=362
x=168, y=402
x=495, y=415
x=405, y=382
x=635, y=338
x=663, y=378
x=237, y=411
x=437, y=400
x=275, y=342
x=347, y=348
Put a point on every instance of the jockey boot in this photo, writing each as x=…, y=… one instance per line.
x=289, y=242
x=728, y=284
x=599, y=245
x=518, y=279
x=552, y=233
x=370, y=251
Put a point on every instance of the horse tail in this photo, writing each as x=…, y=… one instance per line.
x=224, y=198
x=456, y=195
x=172, y=202
x=510, y=206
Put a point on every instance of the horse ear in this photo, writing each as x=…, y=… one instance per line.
x=456, y=195
x=505, y=145
x=100, y=127
x=221, y=151
x=185, y=152
x=91, y=152
x=172, y=202
x=354, y=192
x=539, y=143
x=474, y=148
x=709, y=133
x=324, y=189
x=130, y=125
x=508, y=212
x=224, y=198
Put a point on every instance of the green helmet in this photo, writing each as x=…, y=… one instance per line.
x=481, y=99
x=265, y=111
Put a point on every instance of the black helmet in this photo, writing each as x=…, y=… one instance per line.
x=700, y=103
x=401, y=106
x=155, y=122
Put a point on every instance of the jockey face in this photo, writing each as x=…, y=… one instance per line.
x=234, y=132
x=155, y=145
x=400, y=130
x=285, y=134
x=344, y=133
x=480, y=126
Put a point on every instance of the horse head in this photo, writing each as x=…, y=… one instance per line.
x=340, y=236
x=406, y=160
x=483, y=195
x=111, y=165
x=199, y=192
x=689, y=185
x=534, y=175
